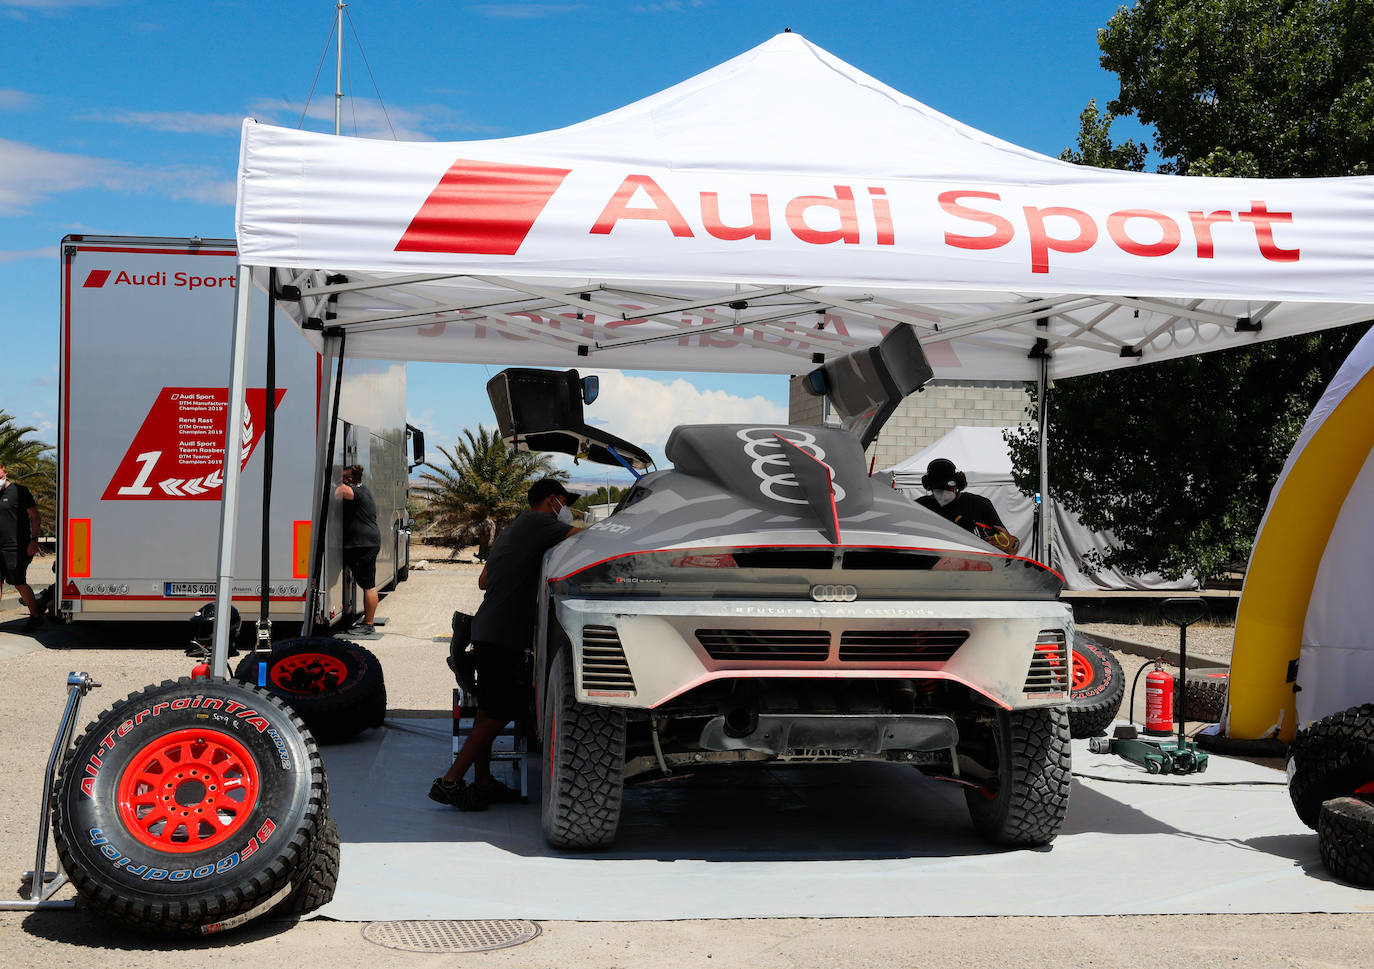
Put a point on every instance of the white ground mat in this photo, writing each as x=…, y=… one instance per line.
x=820, y=841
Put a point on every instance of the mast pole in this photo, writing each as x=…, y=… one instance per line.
x=338, y=67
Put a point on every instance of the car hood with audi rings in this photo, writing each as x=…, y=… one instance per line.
x=779, y=511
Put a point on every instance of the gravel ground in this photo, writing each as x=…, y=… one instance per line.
x=1209, y=640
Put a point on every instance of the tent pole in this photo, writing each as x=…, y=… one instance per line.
x=1042, y=524
x=327, y=406
x=233, y=449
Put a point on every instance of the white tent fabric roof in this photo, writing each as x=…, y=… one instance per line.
x=779, y=206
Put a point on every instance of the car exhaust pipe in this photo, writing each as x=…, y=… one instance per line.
x=741, y=722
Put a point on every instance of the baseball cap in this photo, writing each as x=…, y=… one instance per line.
x=545, y=487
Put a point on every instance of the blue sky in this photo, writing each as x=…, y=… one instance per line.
x=122, y=117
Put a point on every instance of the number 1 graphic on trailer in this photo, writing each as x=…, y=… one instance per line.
x=140, y=486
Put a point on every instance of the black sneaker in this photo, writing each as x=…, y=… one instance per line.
x=463, y=796
x=364, y=630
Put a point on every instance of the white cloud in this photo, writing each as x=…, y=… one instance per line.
x=644, y=411
x=48, y=6
x=29, y=175
x=669, y=6
x=14, y=100
x=367, y=119
x=181, y=122
x=17, y=255
x=524, y=11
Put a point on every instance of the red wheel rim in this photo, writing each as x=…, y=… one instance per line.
x=1083, y=673
x=188, y=790
x=308, y=673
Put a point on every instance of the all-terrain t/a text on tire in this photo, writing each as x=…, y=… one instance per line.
x=1030, y=796
x=1098, y=686
x=188, y=807
x=584, y=772
x=336, y=686
x=1331, y=757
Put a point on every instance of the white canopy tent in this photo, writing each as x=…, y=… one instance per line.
x=982, y=454
x=775, y=210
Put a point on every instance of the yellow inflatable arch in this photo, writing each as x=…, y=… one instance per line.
x=1283, y=566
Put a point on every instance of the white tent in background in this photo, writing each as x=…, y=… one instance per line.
x=982, y=454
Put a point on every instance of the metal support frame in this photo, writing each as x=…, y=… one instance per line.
x=1043, y=525
x=42, y=883
x=327, y=405
x=233, y=450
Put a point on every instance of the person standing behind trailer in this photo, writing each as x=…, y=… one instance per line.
x=502, y=631
x=362, y=541
x=19, y=529
x=973, y=513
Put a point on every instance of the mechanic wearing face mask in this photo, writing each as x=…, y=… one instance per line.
x=502, y=631
x=947, y=498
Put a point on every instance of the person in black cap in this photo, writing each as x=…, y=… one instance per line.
x=502, y=632
x=945, y=496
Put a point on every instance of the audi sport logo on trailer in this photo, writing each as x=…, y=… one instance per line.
x=99, y=278
x=488, y=208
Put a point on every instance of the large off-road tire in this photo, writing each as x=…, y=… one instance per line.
x=1331, y=757
x=1098, y=686
x=1030, y=796
x=1204, y=695
x=1345, y=834
x=336, y=686
x=187, y=808
x=316, y=882
x=584, y=765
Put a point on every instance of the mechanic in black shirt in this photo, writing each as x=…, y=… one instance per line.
x=502, y=632
x=19, y=529
x=362, y=541
x=946, y=497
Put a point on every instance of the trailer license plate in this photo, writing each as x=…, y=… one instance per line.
x=190, y=589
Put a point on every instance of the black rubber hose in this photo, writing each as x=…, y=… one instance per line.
x=269, y=440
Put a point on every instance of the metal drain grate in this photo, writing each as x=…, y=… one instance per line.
x=452, y=935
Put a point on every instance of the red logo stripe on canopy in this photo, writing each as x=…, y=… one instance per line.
x=481, y=208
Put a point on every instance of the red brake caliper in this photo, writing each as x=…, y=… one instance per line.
x=188, y=790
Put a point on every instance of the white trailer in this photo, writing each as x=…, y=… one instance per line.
x=144, y=393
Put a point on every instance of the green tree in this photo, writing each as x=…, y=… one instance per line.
x=601, y=496
x=1267, y=88
x=1178, y=458
x=481, y=488
x=28, y=462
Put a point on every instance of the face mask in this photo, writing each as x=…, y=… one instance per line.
x=943, y=497
x=565, y=515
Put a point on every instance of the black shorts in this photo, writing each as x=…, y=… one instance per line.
x=504, y=690
x=362, y=565
x=13, y=565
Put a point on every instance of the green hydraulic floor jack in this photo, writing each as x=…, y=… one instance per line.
x=1162, y=755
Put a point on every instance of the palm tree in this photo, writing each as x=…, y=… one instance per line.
x=27, y=462
x=482, y=488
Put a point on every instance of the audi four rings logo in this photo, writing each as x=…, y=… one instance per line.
x=834, y=593
x=771, y=466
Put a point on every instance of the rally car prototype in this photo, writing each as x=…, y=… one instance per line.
x=766, y=599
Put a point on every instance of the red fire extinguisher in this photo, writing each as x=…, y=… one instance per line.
x=1159, y=702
